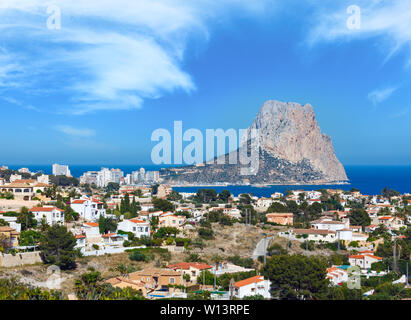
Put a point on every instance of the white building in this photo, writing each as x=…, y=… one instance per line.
x=329, y=224
x=91, y=230
x=44, y=178
x=50, y=214
x=264, y=202
x=14, y=177
x=89, y=177
x=364, y=261
x=251, y=287
x=88, y=209
x=12, y=221
x=138, y=227
x=61, y=170
x=337, y=275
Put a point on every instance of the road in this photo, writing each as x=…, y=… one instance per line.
x=261, y=247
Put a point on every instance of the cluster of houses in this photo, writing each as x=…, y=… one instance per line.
x=168, y=282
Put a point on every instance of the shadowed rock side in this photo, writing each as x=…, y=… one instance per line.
x=292, y=150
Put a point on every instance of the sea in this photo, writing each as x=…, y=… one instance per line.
x=369, y=180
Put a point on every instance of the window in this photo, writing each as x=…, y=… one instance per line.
x=171, y=280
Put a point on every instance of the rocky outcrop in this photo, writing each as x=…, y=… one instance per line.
x=290, y=131
x=292, y=151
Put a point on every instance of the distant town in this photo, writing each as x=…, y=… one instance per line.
x=140, y=239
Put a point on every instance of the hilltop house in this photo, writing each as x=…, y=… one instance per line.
x=51, y=215
x=171, y=221
x=251, y=287
x=10, y=235
x=193, y=269
x=88, y=209
x=138, y=227
x=280, y=218
x=364, y=261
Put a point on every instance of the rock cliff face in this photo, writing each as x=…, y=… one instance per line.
x=292, y=151
x=290, y=131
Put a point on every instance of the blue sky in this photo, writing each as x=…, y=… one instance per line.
x=93, y=91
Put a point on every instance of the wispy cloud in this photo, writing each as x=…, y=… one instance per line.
x=75, y=132
x=20, y=103
x=399, y=114
x=388, y=20
x=109, y=55
x=380, y=95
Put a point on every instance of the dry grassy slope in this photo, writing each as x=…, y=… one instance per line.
x=295, y=248
x=234, y=240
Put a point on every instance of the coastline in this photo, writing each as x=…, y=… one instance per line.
x=260, y=185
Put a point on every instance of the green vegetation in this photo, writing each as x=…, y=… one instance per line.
x=297, y=277
x=57, y=247
x=11, y=289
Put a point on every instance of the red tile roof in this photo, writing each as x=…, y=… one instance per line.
x=108, y=235
x=43, y=209
x=138, y=221
x=248, y=281
x=187, y=265
x=78, y=201
x=91, y=224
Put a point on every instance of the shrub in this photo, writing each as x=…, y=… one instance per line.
x=206, y=234
x=137, y=256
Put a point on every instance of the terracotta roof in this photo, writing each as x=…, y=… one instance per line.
x=372, y=256
x=187, y=265
x=6, y=229
x=78, y=201
x=360, y=256
x=248, y=281
x=25, y=181
x=280, y=214
x=45, y=209
x=356, y=256
x=154, y=272
x=79, y=236
x=91, y=224
x=40, y=184
x=137, y=221
x=384, y=218
x=366, y=251
x=108, y=235
x=16, y=185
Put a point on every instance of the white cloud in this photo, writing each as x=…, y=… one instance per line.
x=380, y=95
x=388, y=20
x=109, y=54
x=75, y=132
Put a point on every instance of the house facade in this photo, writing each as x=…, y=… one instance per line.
x=88, y=209
x=51, y=215
x=138, y=227
x=252, y=287
x=280, y=218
